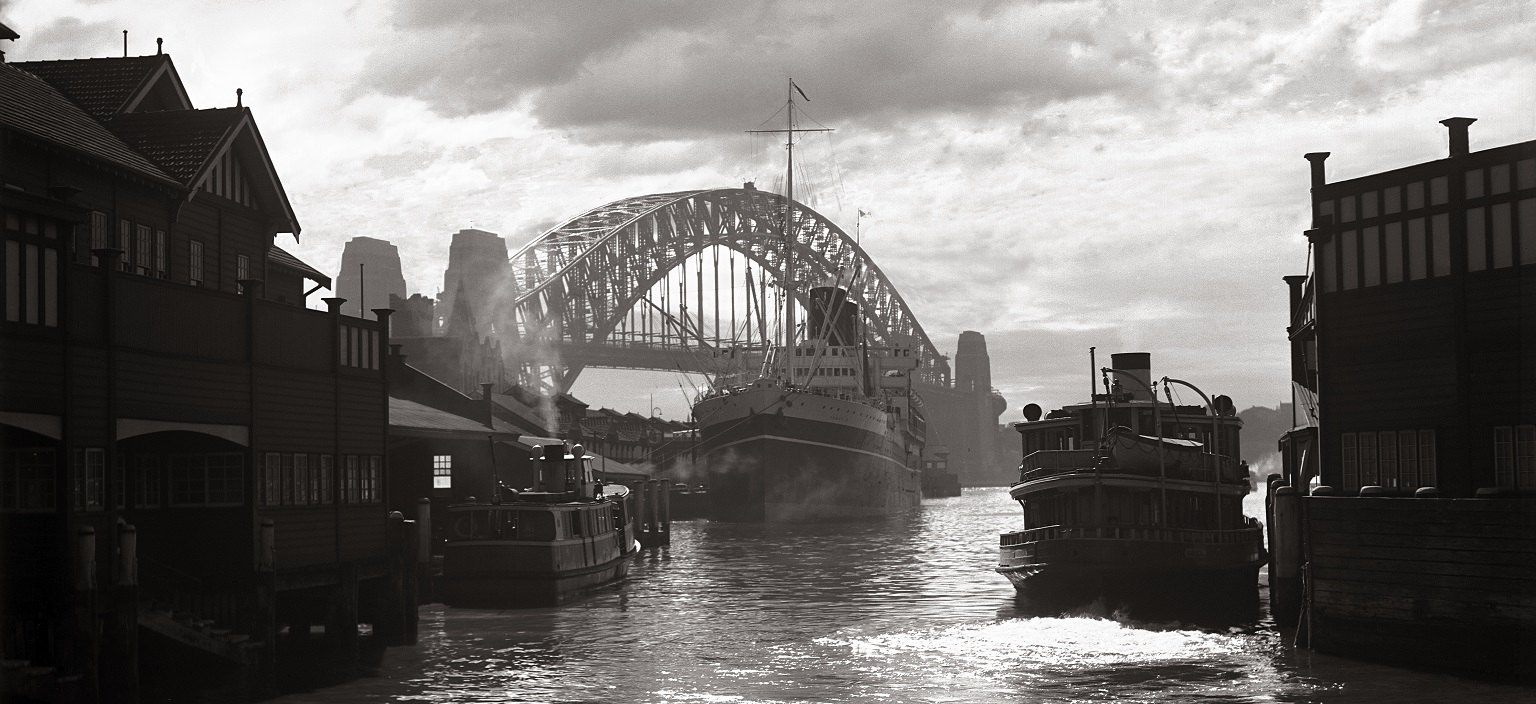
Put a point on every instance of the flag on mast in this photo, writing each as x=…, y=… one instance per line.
x=797, y=90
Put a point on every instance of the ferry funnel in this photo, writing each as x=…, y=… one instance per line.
x=1139, y=365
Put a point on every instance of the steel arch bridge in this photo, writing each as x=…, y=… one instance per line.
x=573, y=285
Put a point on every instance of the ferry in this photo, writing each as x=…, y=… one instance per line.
x=1129, y=496
x=541, y=546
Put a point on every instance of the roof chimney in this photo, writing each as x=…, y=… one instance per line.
x=1458, y=129
x=239, y=92
x=125, y=43
x=1317, y=159
x=159, y=46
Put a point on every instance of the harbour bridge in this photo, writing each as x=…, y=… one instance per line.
x=636, y=283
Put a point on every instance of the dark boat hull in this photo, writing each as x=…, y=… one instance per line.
x=502, y=580
x=823, y=459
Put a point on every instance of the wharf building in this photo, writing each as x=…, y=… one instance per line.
x=1406, y=512
x=191, y=461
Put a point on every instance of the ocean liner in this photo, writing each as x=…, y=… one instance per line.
x=831, y=429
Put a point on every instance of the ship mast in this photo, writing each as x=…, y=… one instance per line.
x=790, y=230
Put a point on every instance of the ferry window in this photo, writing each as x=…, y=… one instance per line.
x=1351, y=465
x=442, y=471
x=1347, y=209
x=1427, y=475
x=1440, y=239
x=1368, y=205
x=28, y=481
x=1408, y=458
x=1417, y=268
x=1415, y=195
x=1528, y=231
x=536, y=525
x=1392, y=200
x=1504, y=456
x=1525, y=170
x=1394, y=252
x=1349, y=254
x=1503, y=244
x=1475, y=183
x=1498, y=179
x=1477, y=240
x=1439, y=191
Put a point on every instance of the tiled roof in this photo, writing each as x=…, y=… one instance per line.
x=179, y=141
x=99, y=86
x=277, y=255
x=29, y=104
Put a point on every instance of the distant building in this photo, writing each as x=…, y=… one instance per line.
x=369, y=268
x=169, y=410
x=477, y=264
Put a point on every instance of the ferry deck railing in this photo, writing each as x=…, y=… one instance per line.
x=1250, y=533
x=1048, y=463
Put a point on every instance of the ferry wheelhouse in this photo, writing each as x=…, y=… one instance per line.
x=1127, y=495
x=540, y=546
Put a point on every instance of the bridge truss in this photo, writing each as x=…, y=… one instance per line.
x=576, y=289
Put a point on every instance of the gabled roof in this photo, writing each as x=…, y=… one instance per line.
x=107, y=86
x=182, y=142
x=33, y=106
x=188, y=144
x=277, y=255
x=411, y=418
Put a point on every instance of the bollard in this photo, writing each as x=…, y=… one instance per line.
x=85, y=576
x=266, y=559
x=1285, y=563
x=651, y=502
x=639, y=517
x=664, y=510
x=423, y=531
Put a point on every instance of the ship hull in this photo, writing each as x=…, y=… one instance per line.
x=783, y=456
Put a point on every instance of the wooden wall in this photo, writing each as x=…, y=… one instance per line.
x=1430, y=582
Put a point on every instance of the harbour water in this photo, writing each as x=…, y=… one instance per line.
x=899, y=610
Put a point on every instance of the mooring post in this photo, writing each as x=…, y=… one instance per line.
x=262, y=674
x=125, y=612
x=88, y=652
x=640, y=511
x=424, y=550
x=410, y=592
x=388, y=625
x=1285, y=566
x=664, y=510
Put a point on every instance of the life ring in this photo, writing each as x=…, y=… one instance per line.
x=464, y=527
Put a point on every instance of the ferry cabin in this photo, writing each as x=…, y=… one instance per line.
x=1131, y=497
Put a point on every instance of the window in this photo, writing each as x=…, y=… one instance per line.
x=1440, y=240
x=373, y=348
x=1394, y=254
x=350, y=480
x=31, y=283
x=1326, y=255
x=1498, y=179
x=1351, y=462
x=188, y=480
x=1371, y=238
x=1408, y=459
x=27, y=480
x=1369, y=476
x=373, y=480
x=1439, y=190
x=1477, y=240
x=343, y=345
x=1349, y=254
x=1528, y=231
x=226, y=479
x=242, y=267
x=1504, y=456
x=287, y=481
x=1347, y=209
x=1475, y=183
x=442, y=471
x=1525, y=455
x=1427, y=458
x=1386, y=456
x=1392, y=200
x=272, y=478
x=326, y=479
x=1525, y=169
x=1503, y=243
x=159, y=254
x=301, y=485
x=146, y=481
x=1415, y=195
x=195, y=263
x=98, y=233
x=1417, y=264
x=143, y=250
x=124, y=244
x=1368, y=205
x=88, y=471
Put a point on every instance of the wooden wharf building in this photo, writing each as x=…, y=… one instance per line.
x=191, y=461
x=1413, y=346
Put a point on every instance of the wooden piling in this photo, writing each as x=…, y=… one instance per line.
x=261, y=674
x=424, y=551
x=125, y=621
x=88, y=641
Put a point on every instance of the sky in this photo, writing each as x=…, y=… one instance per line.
x=1055, y=175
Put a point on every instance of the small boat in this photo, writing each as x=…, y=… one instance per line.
x=1130, y=497
x=541, y=546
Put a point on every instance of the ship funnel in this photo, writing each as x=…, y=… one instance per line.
x=1139, y=365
